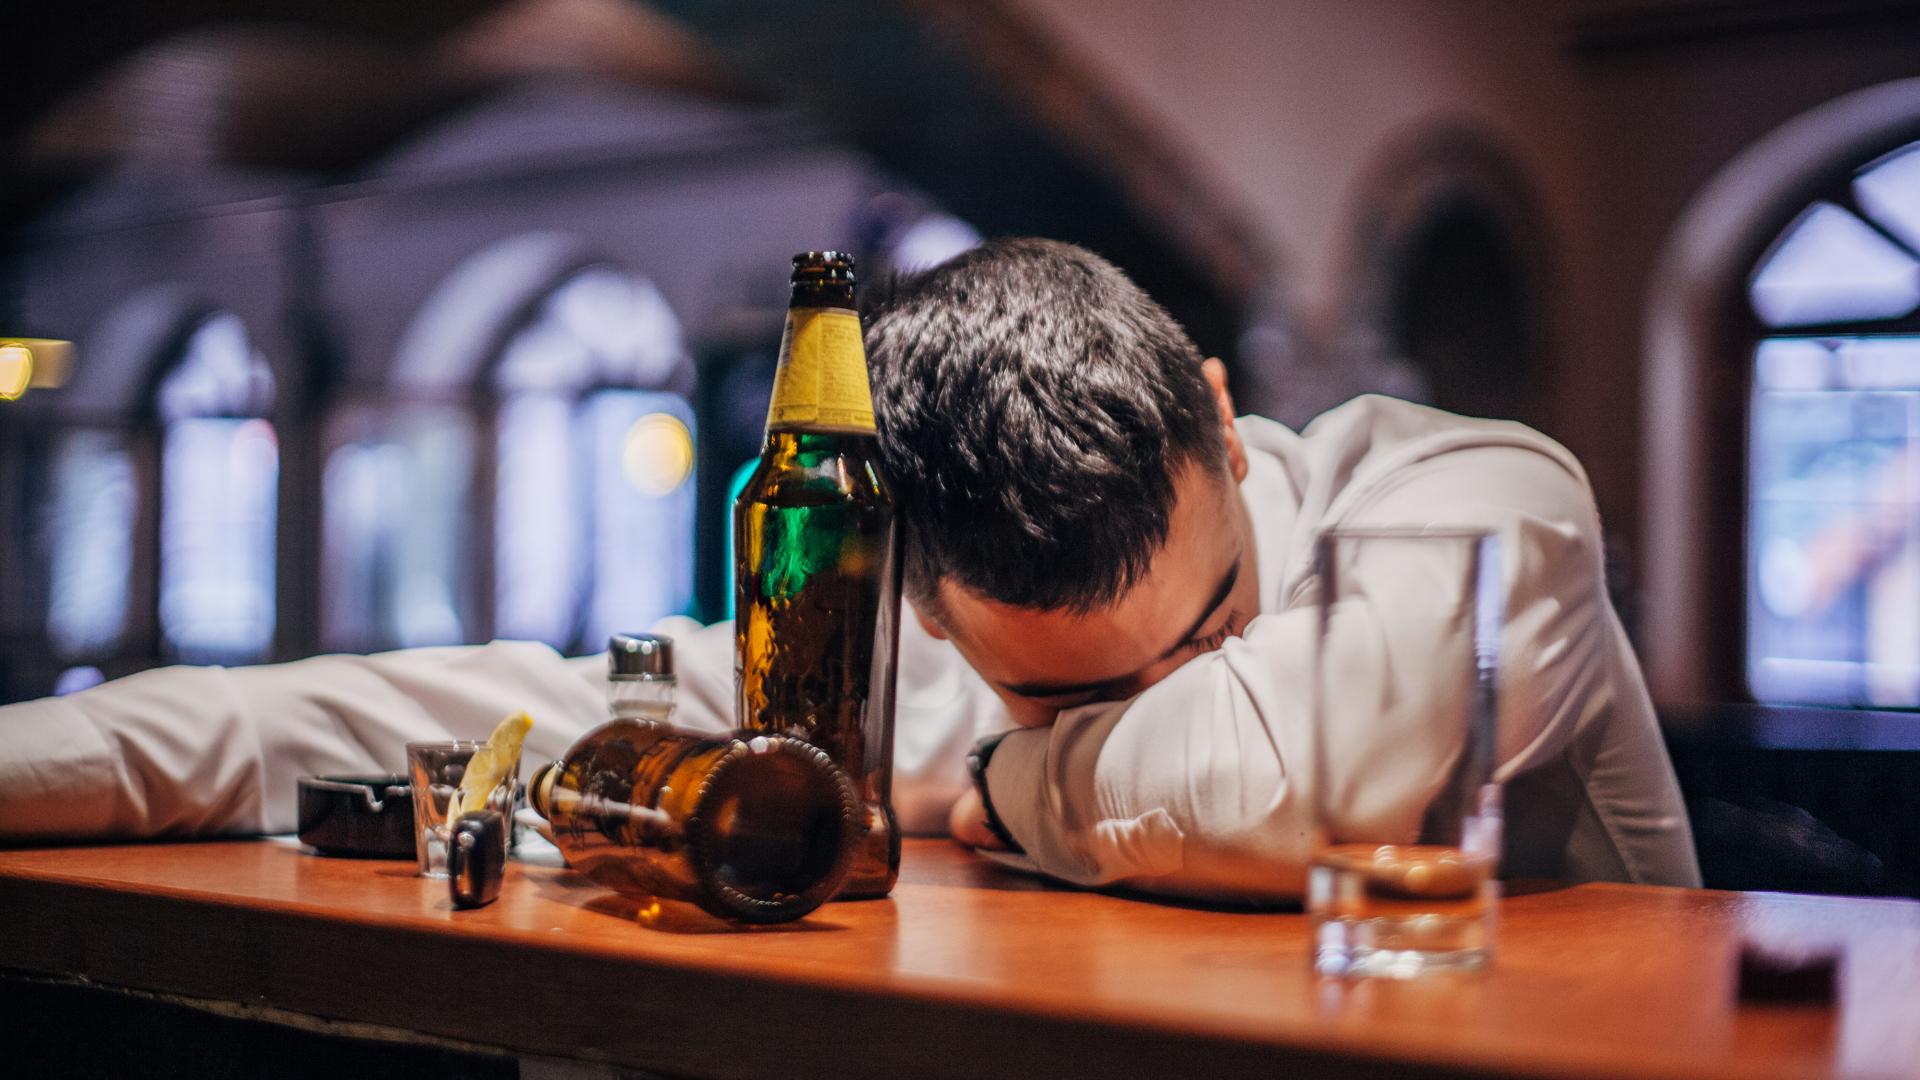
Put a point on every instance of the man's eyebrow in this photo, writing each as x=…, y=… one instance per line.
x=1220, y=594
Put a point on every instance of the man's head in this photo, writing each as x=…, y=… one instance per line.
x=1064, y=463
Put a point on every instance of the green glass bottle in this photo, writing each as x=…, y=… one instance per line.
x=816, y=562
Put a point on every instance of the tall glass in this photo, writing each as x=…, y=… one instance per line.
x=1407, y=813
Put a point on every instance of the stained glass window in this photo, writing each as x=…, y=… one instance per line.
x=396, y=567
x=1889, y=193
x=593, y=491
x=540, y=564
x=90, y=543
x=220, y=471
x=1833, y=604
x=640, y=509
x=1832, y=267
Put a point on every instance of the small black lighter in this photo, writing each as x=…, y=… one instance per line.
x=476, y=858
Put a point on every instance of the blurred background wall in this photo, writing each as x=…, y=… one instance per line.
x=427, y=323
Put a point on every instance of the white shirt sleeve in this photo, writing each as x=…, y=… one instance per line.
x=1197, y=786
x=191, y=751
x=198, y=751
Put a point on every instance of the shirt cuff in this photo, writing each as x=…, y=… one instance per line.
x=1042, y=781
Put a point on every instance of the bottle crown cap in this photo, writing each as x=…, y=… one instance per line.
x=822, y=266
x=640, y=656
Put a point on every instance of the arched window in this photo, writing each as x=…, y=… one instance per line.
x=89, y=543
x=95, y=507
x=1833, y=514
x=219, y=477
x=593, y=491
x=522, y=465
x=1720, y=495
x=396, y=558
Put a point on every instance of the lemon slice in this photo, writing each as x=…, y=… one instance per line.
x=489, y=765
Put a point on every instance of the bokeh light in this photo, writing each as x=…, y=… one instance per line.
x=658, y=455
x=16, y=370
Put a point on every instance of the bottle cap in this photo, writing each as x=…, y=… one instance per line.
x=639, y=656
x=822, y=266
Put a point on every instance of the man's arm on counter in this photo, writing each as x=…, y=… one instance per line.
x=1195, y=788
x=188, y=751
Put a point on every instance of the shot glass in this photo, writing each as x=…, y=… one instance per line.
x=438, y=772
x=1407, y=813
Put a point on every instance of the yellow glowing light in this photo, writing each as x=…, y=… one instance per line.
x=30, y=363
x=658, y=456
x=16, y=370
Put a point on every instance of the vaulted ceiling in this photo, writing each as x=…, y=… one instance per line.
x=964, y=98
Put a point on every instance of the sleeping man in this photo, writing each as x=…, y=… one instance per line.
x=1111, y=592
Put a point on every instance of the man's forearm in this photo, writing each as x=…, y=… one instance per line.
x=201, y=751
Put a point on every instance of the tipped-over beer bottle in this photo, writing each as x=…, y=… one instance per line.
x=760, y=829
x=816, y=572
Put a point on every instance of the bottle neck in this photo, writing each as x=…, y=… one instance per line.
x=821, y=294
x=790, y=443
x=540, y=792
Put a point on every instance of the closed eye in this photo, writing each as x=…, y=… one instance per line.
x=1216, y=639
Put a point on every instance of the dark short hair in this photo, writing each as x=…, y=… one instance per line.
x=1034, y=407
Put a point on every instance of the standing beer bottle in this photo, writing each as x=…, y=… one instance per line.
x=816, y=572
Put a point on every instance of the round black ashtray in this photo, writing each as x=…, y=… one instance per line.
x=363, y=816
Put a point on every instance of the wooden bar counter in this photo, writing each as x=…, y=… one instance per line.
x=967, y=970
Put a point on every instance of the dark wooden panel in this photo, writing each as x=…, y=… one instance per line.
x=1802, y=799
x=68, y=1031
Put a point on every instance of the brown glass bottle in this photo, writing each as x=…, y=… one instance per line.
x=816, y=573
x=760, y=829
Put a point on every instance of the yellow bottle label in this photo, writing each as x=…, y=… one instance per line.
x=821, y=383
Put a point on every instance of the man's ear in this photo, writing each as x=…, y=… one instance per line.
x=1216, y=373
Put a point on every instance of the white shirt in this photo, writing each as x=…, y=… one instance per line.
x=1196, y=786
x=1184, y=789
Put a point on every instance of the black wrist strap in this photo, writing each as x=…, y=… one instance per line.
x=977, y=761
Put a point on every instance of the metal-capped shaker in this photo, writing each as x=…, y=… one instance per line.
x=640, y=681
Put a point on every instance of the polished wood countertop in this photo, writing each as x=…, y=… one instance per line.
x=967, y=970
